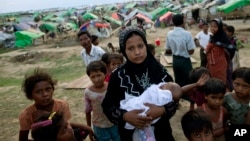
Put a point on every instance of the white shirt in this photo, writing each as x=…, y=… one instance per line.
x=203, y=38
x=153, y=95
x=180, y=42
x=94, y=55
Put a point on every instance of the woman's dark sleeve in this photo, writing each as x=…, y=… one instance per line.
x=111, y=102
x=170, y=109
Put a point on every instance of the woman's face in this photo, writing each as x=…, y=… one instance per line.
x=135, y=49
x=42, y=93
x=214, y=27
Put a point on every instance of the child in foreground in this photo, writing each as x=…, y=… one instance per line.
x=39, y=87
x=198, y=78
x=237, y=102
x=197, y=126
x=104, y=130
x=214, y=93
x=53, y=127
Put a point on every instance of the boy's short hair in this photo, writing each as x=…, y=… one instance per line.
x=214, y=86
x=195, y=121
x=95, y=66
x=230, y=29
x=81, y=32
x=31, y=80
x=178, y=19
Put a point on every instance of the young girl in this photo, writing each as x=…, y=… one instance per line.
x=39, y=87
x=217, y=62
x=53, y=127
x=112, y=61
x=103, y=128
x=214, y=93
x=198, y=77
x=237, y=102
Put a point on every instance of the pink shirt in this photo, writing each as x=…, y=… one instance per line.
x=93, y=101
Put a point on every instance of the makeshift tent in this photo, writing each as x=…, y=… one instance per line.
x=115, y=16
x=48, y=26
x=69, y=12
x=136, y=11
x=97, y=28
x=232, y=5
x=111, y=7
x=112, y=20
x=49, y=16
x=26, y=38
x=167, y=16
x=130, y=5
x=146, y=19
x=158, y=12
x=89, y=16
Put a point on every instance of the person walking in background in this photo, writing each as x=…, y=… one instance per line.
x=89, y=52
x=215, y=90
x=39, y=87
x=104, y=130
x=134, y=77
x=217, y=56
x=201, y=40
x=181, y=45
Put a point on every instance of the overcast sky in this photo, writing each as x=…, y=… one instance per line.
x=25, y=5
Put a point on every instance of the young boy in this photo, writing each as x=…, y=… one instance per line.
x=94, y=95
x=201, y=40
x=197, y=126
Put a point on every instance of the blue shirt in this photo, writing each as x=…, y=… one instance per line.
x=180, y=41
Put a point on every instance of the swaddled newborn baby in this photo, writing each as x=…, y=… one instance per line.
x=159, y=95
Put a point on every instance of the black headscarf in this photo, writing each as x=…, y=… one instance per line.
x=220, y=35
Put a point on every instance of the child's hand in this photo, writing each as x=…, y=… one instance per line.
x=138, y=121
x=203, y=79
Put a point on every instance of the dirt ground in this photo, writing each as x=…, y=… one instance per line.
x=59, y=51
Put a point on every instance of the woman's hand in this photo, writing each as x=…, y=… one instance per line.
x=154, y=111
x=139, y=121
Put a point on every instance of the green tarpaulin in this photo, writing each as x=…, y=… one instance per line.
x=158, y=12
x=25, y=38
x=89, y=16
x=232, y=5
x=130, y=5
x=48, y=26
